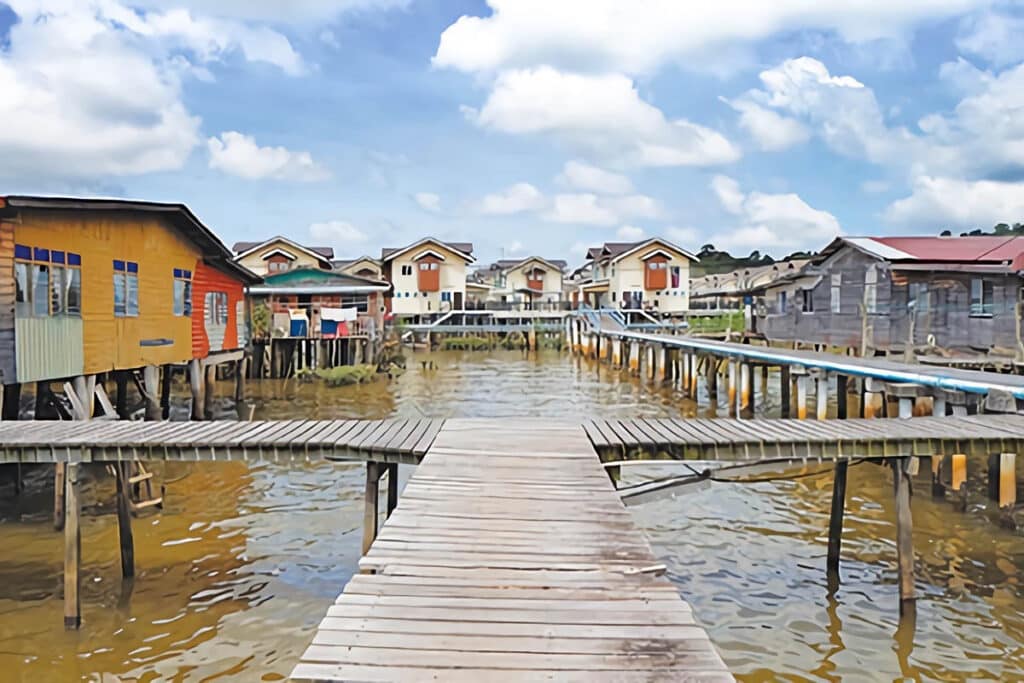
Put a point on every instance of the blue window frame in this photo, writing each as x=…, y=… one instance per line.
x=48, y=282
x=126, y=289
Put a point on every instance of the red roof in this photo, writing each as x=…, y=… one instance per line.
x=960, y=249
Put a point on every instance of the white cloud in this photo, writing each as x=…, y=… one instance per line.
x=772, y=221
x=591, y=209
x=514, y=199
x=239, y=155
x=630, y=233
x=428, y=201
x=994, y=36
x=771, y=131
x=338, y=234
x=582, y=176
x=728, y=192
x=938, y=203
x=292, y=12
x=601, y=115
x=602, y=35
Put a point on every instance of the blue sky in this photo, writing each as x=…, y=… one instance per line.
x=523, y=125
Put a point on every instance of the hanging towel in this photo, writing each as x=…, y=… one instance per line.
x=338, y=314
x=328, y=328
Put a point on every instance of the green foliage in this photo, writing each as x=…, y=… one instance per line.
x=714, y=324
x=261, y=321
x=1001, y=229
x=466, y=343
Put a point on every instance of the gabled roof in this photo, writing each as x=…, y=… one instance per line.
x=977, y=250
x=323, y=254
x=215, y=253
x=341, y=264
x=509, y=264
x=618, y=250
x=463, y=249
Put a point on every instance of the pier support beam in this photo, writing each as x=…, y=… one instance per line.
x=616, y=353
x=392, y=488
x=196, y=382
x=835, y=522
x=1002, y=485
x=634, y=357
x=687, y=368
x=694, y=374
x=659, y=360
x=373, y=474
x=151, y=384
x=165, y=391
x=240, y=378
x=733, y=365
x=842, y=396
x=126, y=542
x=208, y=396
x=958, y=480
x=72, y=549
x=785, y=392
x=904, y=530
x=711, y=379
x=746, y=407
x=801, y=396
x=821, y=396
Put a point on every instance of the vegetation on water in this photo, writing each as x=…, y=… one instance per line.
x=513, y=340
x=714, y=324
x=342, y=375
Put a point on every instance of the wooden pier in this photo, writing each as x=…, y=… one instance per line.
x=510, y=557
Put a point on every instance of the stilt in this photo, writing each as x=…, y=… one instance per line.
x=801, y=397
x=904, y=530
x=59, y=490
x=694, y=373
x=835, y=522
x=686, y=370
x=151, y=382
x=842, y=395
x=938, y=488
x=659, y=360
x=240, y=378
x=1007, y=489
x=821, y=396
x=373, y=472
x=711, y=379
x=958, y=480
x=72, y=549
x=746, y=408
x=392, y=487
x=165, y=391
x=121, y=397
x=209, y=397
x=764, y=383
x=124, y=518
x=785, y=392
x=616, y=353
x=634, y=357
x=196, y=382
x=732, y=386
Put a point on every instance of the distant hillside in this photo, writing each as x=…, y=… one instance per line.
x=713, y=261
x=1000, y=229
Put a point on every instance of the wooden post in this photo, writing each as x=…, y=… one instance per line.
x=373, y=472
x=392, y=487
x=764, y=383
x=165, y=391
x=121, y=397
x=958, y=480
x=821, y=396
x=660, y=357
x=197, y=381
x=904, y=530
x=634, y=357
x=732, y=386
x=616, y=353
x=124, y=518
x=906, y=405
x=686, y=370
x=842, y=395
x=746, y=407
x=711, y=379
x=785, y=392
x=694, y=373
x=151, y=383
x=1007, y=489
x=208, y=398
x=801, y=397
x=240, y=378
x=72, y=549
x=835, y=522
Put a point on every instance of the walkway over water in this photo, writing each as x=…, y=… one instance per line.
x=510, y=557
x=407, y=441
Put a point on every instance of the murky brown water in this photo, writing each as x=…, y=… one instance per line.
x=237, y=570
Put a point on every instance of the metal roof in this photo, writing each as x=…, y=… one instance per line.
x=973, y=249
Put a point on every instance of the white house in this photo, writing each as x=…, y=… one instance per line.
x=427, y=277
x=531, y=283
x=652, y=275
x=279, y=254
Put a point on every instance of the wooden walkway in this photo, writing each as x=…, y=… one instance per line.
x=510, y=557
x=406, y=441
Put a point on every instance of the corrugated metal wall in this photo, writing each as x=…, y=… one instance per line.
x=49, y=348
x=8, y=373
x=206, y=279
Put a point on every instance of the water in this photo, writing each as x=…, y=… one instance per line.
x=237, y=570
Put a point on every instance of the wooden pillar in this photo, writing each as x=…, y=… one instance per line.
x=764, y=384
x=373, y=472
x=733, y=363
x=121, y=396
x=197, y=381
x=694, y=374
x=659, y=369
x=634, y=357
x=1002, y=485
x=124, y=518
x=785, y=392
x=711, y=379
x=208, y=397
x=801, y=396
x=958, y=480
x=904, y=530
x=906, y=406
x=165, y=391
x=617, y=353
x=685, y=371
x=240, y=378
x=835, y=522
x=842, y=396
x=72, y=549
x=151, y=384
x=821, y=396
x=392, y=487
x=747, y=392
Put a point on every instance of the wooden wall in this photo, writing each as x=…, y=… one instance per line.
x=205, y=279
x=8, y=368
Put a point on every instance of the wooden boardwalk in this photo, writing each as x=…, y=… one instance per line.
x=406, y=441
x=510, y=557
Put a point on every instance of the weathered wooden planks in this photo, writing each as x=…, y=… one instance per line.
x=510, y=557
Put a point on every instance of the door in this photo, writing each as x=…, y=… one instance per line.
x=457, y=302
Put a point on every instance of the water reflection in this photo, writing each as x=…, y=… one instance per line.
x=236, y=572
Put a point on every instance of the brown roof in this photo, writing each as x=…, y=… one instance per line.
x=464, y=247
x=506, y=263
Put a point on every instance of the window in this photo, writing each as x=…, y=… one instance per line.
x=216, y=305
x=677, y=279
x=126, y=289
x=182, y=292
x=982, y=297
x=277, y=266
x=807, y=300
x=47, y=282
x=446, y=296
x=782, y=302
x=918, y=297
x=871, y=290
x=360, y=302
x=407, y=269
x=613, y=295
x=836, y=292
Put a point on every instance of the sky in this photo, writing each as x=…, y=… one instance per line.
x=524, y=126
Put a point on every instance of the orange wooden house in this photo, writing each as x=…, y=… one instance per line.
x=90, y=286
